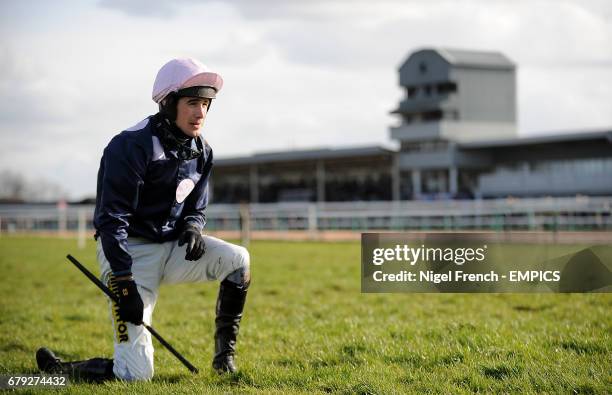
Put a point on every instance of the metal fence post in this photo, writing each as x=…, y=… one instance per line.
x=245, y=224
x=312, y=219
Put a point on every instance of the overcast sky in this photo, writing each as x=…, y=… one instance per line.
x=298, y=74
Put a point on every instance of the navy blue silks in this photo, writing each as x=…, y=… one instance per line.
x=138, y=186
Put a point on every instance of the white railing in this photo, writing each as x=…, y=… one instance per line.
x=580, y=213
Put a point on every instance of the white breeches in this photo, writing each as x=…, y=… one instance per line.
x=154, y=264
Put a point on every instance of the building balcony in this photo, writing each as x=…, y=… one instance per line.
x=422, y=104
x=426, y=160
x=417, y=131
x=458, y=131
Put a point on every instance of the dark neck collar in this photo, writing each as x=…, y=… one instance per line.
x=173, y=139
x=176, y=132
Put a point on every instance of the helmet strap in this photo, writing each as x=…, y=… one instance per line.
x=167, y=107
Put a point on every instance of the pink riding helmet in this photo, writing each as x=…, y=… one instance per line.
x=184, y=73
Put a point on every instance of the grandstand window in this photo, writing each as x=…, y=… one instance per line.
x=446, y=87
x=435, y=115
x=410, y=147
x=411, y=91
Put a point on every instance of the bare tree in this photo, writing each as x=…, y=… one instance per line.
x=15, y=187
x=12, y=185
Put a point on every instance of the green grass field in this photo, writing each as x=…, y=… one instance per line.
x=308, y=329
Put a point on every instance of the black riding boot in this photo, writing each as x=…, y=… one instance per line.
x=95, y=370
x=230, y=304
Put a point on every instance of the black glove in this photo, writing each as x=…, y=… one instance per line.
x=130, y=302
x=195, y=243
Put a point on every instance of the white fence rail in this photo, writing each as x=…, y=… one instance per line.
x=580, y=213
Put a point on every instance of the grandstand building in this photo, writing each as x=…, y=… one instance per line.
x=457, y=140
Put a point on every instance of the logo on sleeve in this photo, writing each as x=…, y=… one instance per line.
x=184, y=189
x=121, y=329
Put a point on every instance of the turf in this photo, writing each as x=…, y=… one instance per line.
x=308, y=329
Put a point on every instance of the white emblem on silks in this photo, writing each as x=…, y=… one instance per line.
x=184, y=189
